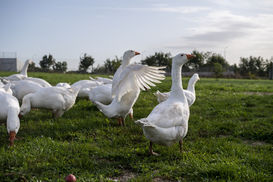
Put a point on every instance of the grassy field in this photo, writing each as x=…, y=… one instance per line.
x=230, y=138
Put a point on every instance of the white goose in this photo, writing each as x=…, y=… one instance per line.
x=1, y=84
x=168, y=122
x=9, y=111
x=40, y=81
x=127, y=82
x=85, y=87
x=21, y=75
x=103, y=80
x=102, y=94
x=189, y=93
x=63, y=84
x=23, y=87
x=58, y=99
x=6, y=88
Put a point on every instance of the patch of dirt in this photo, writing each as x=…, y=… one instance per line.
x=157, y=179
x=258, y=93
x=254, y=143
x=126, y=176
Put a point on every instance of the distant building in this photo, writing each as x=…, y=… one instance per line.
x=9, y=62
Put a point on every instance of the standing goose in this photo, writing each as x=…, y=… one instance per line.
x=9, y=111
x=58, y=99
x=168, y=121
x=127, y=83
x=22, y=75
x=189, y=93
x=104, y=94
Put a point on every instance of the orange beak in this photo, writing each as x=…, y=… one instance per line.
x=137, y=53
x=12, y=135
x=189, y=56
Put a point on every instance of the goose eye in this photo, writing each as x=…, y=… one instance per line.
x=182, y=54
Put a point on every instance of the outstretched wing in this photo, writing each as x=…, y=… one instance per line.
x=136, y=76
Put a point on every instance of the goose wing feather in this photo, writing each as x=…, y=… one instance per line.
x=136, y=76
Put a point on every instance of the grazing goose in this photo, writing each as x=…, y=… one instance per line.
x=23, y=87
x=85, y=87
x=127, y=82
x=189, y=93
x=21, y=75
x=58, y=99
x=9, y=111
x=168, y=121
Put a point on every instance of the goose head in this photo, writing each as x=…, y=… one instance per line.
x=182, y=58
x=29, y=61
x=23, y=111
x=13, y=126
x=128, y=55
x=195, y=76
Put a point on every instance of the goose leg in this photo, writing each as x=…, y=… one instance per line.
x=57, y=113
x=122, y=121
x=131, y=116
x=151, y=150
x=180, y=144
x=119, y=121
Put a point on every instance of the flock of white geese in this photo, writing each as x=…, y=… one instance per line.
x=115, y=98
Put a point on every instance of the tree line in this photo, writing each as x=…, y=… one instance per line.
x=250, y=67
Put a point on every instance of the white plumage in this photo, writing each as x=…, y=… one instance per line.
x=127, y=83
x=57, y=99
x=9, y=111
x=23, y=87
x=40, y=81
x=168, y=122
x=21, y=75
x=85, y=87
x=189, y=93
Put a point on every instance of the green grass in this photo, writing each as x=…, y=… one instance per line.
x=230, y=138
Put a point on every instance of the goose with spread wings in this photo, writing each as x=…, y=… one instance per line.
x=126, y=89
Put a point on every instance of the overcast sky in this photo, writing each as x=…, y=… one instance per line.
x=104, y=29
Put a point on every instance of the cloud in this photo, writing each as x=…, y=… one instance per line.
x=221, y=36
x=244, y=34
x=164, y=8
x=178, y=9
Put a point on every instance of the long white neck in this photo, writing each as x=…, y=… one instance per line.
x=26, y=105
x=13, y=122
x=125, y=61
x=177, y=89
x=191, y=86
x=24, y=69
